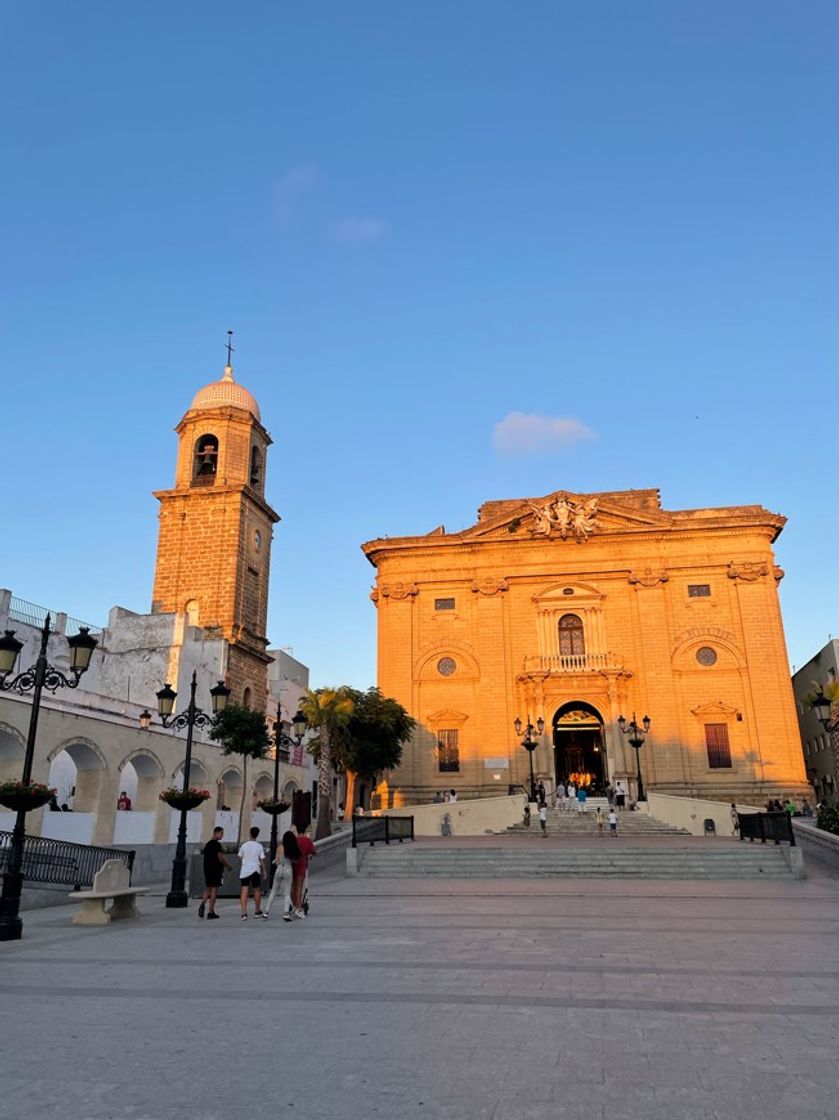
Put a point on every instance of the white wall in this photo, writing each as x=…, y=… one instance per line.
x=691, y=813
x=76, y=827
x=134, y=827
x=193, y=826
x=468, y=818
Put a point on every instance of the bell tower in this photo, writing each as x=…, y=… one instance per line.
x=214, y=541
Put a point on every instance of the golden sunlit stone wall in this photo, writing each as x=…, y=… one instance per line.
x=468, y=639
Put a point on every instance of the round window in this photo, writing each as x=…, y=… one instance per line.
x=446, y=666
x=706, y=656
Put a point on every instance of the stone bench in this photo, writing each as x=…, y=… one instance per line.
x=110, y=881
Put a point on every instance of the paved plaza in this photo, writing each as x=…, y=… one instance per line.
x=496, y=1000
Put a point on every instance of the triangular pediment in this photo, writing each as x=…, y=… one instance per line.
x=566, y=515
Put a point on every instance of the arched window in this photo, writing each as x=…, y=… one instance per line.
x=256, y=466
x=206, y=461
x=246, y=698
x=571, y=638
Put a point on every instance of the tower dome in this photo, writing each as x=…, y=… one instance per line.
x=224, y=392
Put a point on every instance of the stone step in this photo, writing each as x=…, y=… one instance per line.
x=728, y=862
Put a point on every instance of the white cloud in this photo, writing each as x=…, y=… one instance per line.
x=295, y=182
x=355, y=231
x=528, y=433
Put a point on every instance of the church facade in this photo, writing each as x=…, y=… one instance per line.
x=578, y=609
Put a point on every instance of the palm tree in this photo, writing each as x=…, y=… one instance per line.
x=327, y=711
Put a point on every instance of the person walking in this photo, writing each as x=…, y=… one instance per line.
x=543, y=816
x=620, y=796
x=735, y=819
x=299, y=870
x=582, y=800
x=598, y=821
x=251, y=874
x=613, y=823
x=287, y=853
x=214, y=865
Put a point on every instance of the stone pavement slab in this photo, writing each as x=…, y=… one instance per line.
x=498, y=1000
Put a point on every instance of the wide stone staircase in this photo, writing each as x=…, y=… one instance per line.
x=564, y=823
x=694, y=858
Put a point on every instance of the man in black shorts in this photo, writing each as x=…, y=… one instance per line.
x=214, y=865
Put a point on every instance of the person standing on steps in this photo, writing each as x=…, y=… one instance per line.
x=613, y=823
x=572, y=796
x=540, y=790
x=543, y=816
x=214, y=865
x=582, y=800
x=251, y=874
x=620, y=795
x=598, y=821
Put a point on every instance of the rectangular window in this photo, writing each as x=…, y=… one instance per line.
x=719, y=751
x=448, y=752
x=444, y=604
x=699, y=590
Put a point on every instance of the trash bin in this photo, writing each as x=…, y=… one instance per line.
x=710, y=827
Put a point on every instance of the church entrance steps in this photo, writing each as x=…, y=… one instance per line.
x=657, y=858
x=564, y=823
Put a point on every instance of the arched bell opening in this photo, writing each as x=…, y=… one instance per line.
x=580, y=747
x=205, y=462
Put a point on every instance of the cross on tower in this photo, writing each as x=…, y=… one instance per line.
x=230, y=350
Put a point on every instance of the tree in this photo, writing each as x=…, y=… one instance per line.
x=375, y=734
x=327, y=711
x=241, y=731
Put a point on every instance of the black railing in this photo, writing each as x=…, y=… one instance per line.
x=367, y=830
x=59, y=861
x=766, y=826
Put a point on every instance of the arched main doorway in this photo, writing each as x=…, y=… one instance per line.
x=579, y=746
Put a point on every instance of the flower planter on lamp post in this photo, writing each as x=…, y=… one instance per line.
x=193, y=717
x=38, y=677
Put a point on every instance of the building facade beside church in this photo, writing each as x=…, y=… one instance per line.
x=208, y=615
x=577, y=609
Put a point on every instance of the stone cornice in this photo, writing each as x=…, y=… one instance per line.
x=380, y=548
x=203, y=493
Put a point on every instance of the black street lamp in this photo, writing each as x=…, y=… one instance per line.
x=190, y=719
x=282, y=741
x=40, y=676
x=636, y=735
x=530, y=742
x=822, y=707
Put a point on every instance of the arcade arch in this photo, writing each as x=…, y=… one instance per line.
x=77, y=771
x=141, y=776
x=12, y=750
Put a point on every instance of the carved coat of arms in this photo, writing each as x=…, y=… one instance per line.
x=565, y=517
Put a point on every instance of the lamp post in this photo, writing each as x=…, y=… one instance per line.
x=822, y=707
x=38, y=677
x=299, y=724
x=190, y=719
x=636, y=734
x=530, y=742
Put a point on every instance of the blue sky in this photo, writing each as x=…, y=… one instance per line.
x=418, y=219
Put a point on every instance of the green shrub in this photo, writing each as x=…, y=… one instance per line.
x=828, y=819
